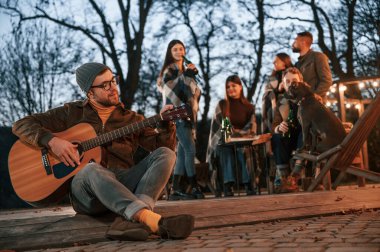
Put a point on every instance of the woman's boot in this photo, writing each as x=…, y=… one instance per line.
x=195, y=189
x=177, y=192
x=227, y=189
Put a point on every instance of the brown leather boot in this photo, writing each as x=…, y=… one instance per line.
x=125, y=230
x=176, y=227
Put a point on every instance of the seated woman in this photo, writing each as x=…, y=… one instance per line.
x=242, y=116
x=272, y=94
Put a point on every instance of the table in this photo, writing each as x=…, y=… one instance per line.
x=236, y=142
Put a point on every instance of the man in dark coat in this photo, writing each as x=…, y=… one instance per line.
x=314, y=66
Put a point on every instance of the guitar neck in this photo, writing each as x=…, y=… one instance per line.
x=112, y=135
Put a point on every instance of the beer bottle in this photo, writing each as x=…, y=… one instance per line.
x=291, y=124
x=226, y=125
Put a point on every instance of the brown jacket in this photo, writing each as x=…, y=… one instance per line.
x=282, y=112
x=37, y=130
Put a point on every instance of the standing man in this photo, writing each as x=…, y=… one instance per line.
x=314, y=66
x=117, y=183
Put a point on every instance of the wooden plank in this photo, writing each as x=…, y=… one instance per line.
x=271, y=202
x=54, y=239
x=254, y=217
x=47, y=228
x=56, y=224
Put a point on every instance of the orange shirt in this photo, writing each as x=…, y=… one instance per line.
x=103, y=112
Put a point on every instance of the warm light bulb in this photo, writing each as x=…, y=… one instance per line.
x=333, y=89
x=342, y=88
x=328, y=93
x=361, y=85
x=328, y=104
x=357, y=106
x=375, y=84
x=348, y=105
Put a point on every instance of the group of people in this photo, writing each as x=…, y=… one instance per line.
x=130, y=189
x=278, y=110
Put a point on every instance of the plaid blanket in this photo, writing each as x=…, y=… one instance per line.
x=215, y=133
x=179, y=89
x=269, y=104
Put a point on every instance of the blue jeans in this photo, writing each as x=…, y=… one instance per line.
x=185, y=150
x=227, y=163
x=95, y=189
x=283, y=148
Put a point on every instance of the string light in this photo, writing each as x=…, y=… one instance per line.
x=328, y=104
x=357, y=106
x=342, y=88
x=361, y=85
x=348, y=105
x=333, y=89
x=328, y=92
x=375, y=84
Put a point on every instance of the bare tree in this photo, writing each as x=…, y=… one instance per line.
x=257, y=42
x=204, y=21
x=36, y=66
x=367, y=38
x=148, y=98
x=97, y=27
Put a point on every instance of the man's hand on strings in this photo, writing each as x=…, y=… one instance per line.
x=66, y=151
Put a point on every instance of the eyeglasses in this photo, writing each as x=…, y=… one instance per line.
x=107, y=84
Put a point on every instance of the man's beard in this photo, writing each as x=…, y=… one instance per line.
x=295, y=50
x=108, y=102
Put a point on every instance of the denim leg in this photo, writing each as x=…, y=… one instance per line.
x=281, y=147
x=245, y=176
x=160, y=163
x=227, y=162
x=123, y=191
x=186, y=150
x=95, y=189
x=179, y=168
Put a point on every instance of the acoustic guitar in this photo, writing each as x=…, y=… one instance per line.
x=39, y=178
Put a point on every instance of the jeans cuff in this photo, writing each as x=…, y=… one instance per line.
x=283, y=170
x=133, y=208
x=149, y=201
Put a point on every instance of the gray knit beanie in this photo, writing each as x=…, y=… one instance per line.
x=87, y=73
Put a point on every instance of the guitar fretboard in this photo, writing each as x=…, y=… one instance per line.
x=112, y=135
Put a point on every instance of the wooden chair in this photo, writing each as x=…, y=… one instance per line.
x=342, y=156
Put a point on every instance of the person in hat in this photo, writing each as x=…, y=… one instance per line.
x=117, y=183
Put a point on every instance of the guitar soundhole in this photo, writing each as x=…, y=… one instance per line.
x=61, y=170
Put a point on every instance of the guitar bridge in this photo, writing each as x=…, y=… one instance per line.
x=45, y=161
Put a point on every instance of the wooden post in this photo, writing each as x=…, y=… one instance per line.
x=341, y=101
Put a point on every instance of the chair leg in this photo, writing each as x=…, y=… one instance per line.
x=338, y=179
x=322, y=173
x=327, y=181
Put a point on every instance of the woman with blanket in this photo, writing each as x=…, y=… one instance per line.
x=178, y=86
x=242, y=116
x=273, y=97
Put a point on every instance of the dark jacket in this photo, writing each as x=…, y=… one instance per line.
x=315, y=69
x=37, y=130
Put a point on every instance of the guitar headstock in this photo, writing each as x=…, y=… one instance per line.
x=180, y=112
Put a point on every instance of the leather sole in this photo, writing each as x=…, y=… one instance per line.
x=176, y=227
x=137, y=234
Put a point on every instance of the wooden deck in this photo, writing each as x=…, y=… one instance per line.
x=60, y=226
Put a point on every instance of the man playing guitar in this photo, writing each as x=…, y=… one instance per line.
x=110, y=182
